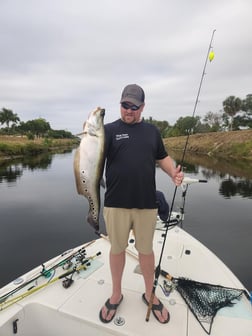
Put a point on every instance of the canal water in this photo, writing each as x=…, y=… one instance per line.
x=41, y=214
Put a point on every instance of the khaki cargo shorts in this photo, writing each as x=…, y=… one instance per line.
x=119, y=222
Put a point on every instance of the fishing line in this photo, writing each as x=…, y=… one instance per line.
x=82, y=265
x=47, y=272
x=209, y=56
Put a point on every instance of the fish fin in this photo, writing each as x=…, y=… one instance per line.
x=77, y=170
x=79, y=134
x=83, y=132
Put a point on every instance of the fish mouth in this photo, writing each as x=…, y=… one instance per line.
x=102, y=113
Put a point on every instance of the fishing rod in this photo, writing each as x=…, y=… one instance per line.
x=15, y=299
x=203, y=299
x=67, y=282
x=158, y=268
x=47, y=272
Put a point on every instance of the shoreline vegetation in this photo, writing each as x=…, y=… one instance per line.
x=12, y=147
x=232, y=145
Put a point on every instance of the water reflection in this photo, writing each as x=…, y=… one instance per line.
x=241, y=168
x=45, y=207
x=235, y=176
x=233, y=187
x=10, y=171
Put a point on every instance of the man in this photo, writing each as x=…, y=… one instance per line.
x=133, y=147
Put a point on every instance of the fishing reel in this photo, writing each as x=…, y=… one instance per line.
x=168, y=287
x=81, y=263
x=67, y=265
x=67, y=282
x=81, y=256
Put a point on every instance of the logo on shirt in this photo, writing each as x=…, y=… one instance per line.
x=122, y=136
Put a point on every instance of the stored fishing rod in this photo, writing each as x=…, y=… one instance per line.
x=15, y=299
x=47, y=272
x=67, y=282
x=158, y=268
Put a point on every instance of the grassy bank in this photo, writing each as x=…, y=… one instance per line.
x=13, y=146
x=226, y=145
x=230, y=145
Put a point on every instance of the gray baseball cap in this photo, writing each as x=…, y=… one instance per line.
x=134, y=94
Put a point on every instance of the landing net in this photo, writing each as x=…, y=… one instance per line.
x=204, y=300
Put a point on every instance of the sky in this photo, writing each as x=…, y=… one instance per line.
x=61, y=59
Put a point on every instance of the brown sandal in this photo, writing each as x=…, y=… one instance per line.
x=158, y=307
x=110, y=307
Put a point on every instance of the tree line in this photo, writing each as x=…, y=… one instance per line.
x=32, y=128
x=236, y=114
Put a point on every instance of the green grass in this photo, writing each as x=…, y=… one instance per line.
x=21, y=147
x=241, y=149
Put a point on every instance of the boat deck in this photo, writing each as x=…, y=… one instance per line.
x=55, y=310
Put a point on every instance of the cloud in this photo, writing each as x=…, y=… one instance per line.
x=59, y=60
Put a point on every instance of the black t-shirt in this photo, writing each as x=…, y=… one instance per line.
x=131, y=152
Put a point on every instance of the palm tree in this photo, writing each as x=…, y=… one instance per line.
x=231, y=106
x=7, y=116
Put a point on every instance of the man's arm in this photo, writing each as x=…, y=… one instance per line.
x=167, y=165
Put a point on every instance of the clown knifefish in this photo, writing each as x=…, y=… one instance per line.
x=89, y=163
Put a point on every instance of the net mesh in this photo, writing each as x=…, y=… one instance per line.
x=204, y=300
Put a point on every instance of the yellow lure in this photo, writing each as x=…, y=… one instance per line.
x=211, y=56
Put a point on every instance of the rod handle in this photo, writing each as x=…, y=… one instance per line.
x=149, y=307
x=166, y=275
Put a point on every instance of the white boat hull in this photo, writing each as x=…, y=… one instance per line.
x=55, y=310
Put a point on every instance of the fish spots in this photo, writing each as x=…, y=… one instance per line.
x=85, y=189
x=92, y=208
x=89, y=163
x=84, y=180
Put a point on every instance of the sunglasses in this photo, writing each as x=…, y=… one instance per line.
x=126, y=106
